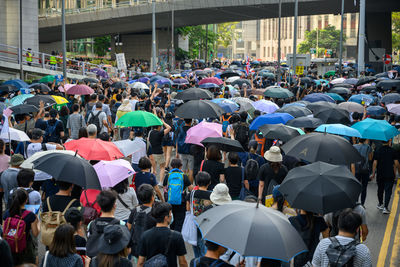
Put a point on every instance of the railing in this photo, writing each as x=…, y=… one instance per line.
x=49, y=12
x=42, y=60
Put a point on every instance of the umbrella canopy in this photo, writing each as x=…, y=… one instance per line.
x=241, y=82
x=333, y=115
x=59, y=99
x=28, y=163
x=199, y=109
x=232, y=79
x=35, y=100
x=17, y=83
x=201, y=131
x=47, y=79
x=113, y=172
x=330, y=73
x=316, y=97
x=365, y=80
x=376, y=110
x=144, y=80
x=338, y=129
x=180, y=81
x=80, y=89
x=224, y=144
x=317, y=106
x=140, y=85
x=94, y=149
x=118, y=85
x=229, y=74
x=277, y=92
x=19, y=99
x=391, y=98
x=193, y=94
x=163, y=81
x=267, y=75
x=274, y=118
x=362, y=98
x=227, y=105
x=15, y=135
x=352, y=107
x=128, y=147
x=24, y=109
x=90, y=80
x=345, y=85
x=368, y=89
x=266, y=106
x=322, y=147
x=208, y=85
x=40, y=86
x=375, y=129
x=394, y=108
x=244, y=103
x=213, y=80
x=278, y=131
x=8, y=88
x=340, y=91
x=321, y=188
x=336, y=97
x=305, y=122
x=389, y=84
x=263, y=232
x=338, y=80
x=138, y=118
x=100, y=72
x=352, y=81
x=295, y=111
x=68, y=168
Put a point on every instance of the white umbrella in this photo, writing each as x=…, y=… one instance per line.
x=140, y=85
x=352, y=107
x=28, y=163
x=232, y=79
x=15, y=135
x=338, y=80
x=128, y=147
x=394, y=108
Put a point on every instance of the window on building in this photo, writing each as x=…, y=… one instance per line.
x=269, y=29
x=264, y=51
x=308, y=26
x=319, y=23
x=353, y=21
x=269, y=52
x=290, y=28
x=344, y=22
x=326, y=21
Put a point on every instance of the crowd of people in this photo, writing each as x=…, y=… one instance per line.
x=140, y=220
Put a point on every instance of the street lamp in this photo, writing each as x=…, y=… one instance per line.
x=296, y=11
x=341, y=39
x=63, y=33
x=279, y=41
x=153, y=48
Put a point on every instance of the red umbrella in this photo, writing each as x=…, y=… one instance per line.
x=80, y=89
x=94, y=149
x=214, y=80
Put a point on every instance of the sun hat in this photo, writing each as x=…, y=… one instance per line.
x=114, y=239
x=220, y=194
x=273, y=154
x=16, y=160
x=125, y=106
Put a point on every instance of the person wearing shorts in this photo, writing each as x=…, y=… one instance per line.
x=156, y=136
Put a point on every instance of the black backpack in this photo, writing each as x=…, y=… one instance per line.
x=51, y=134
x=363, y=165
x=341, y=255
x=114, y=110
x=139, y=225
x=96, y=229
x=242, y=134
x=94, y=119
x=11, y=196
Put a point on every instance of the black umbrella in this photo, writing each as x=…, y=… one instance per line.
x=305, y=122
x=118, y=85
x=278, y=131
x=322, y=147
x=194, y=94
x=223, y=143
x=24, y=109
x=316, y=106
x=369, y=89
x=343, y=91
x=8, y=88
x=333, y=115
x=365, y=80
x=295, y=111
x=389, y=85
x=40, y=86
x=90, y=80
x=199, y=109
x=391, y=98
x=229, y=73
x=306, y=80
x=35, y=100
x=346, y=85
x=201, y=73
x=240, y=83
x=67, y=168
x=321, y=188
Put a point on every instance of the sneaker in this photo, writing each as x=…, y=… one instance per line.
x=385, y=211
x=380, y=207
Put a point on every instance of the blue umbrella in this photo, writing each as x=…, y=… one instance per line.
x=321, y=81
x=336, y=97
x=362, y=98
x=375, y=129
x=155, y=78
x=273, y=118
x=376, y=110
x=208, y=85
x=163, y=81
x=144, y=79
x=17, y=83
x=227, y=105
x=315, y=97
x=338, y=129
x=295, y=104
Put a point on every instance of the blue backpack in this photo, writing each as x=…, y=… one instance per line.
x=50, y=134
x=175, y=187
x=183, y=148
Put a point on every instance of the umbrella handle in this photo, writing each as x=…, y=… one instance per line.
x=76, y=152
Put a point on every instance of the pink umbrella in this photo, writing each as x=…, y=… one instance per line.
x=201, y=131
x=80, y=89
x=214, y=80
x=338, y=80
x=66, y=87
x=113, y=172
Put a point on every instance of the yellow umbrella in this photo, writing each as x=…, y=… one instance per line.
x=60, y=99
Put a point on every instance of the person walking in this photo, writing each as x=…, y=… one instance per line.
x=75, y=122
x=126, y=200
x=213, y=166
x=155, y=138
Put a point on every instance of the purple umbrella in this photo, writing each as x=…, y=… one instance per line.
x=113, y=172
x=163, y=82
x=180, y=81
x=265, y=106
x=100, y=72
x=144, y=79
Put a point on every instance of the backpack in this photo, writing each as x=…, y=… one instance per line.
x=341, y=255
x=183, y=148
x=160, y=260
x=242, y=134
x=225, y=124
x=11, y=196
x=50, y=134
x=114, y=110
x=94, y=119
x=133, y=185
x=96, y=229
x=139, y=225
x=14, y=232
x=89, y=212
x=261, y=144
x=50, y=220
x=175, y=187
x=363, y=165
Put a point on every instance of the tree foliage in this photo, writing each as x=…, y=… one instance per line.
x=101, y=45
x=396, y=31
x=328, y=38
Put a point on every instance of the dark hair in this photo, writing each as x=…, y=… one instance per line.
x=75, y=107
x=99, y=104
x=74, y=216
x=106, y=200
x=24, y=177
x=93, y=97
x=280, y=200
x=2, y=145
x=233, y=157
x=19, y=197
x=102, y=97
x=212, y=246
x=118, y=97
x=203, y=179
x=104, y=136
x=349, y=221
x=145, y=193
x=82, y=132
x=63, y=241
x=64, y=111
x=176, y=163
x=121, y=187
x=144, y=163
x=356, y=116
x=213, y=153
x=270, y=263
x=188, y=121
x=63, y=185
x=160, y=210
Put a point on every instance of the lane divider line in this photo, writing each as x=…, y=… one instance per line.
x=396, y=242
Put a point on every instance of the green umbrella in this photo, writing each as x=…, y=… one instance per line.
x=138, y=119
x=336, y=97
x=47, y=79
x=278, y=92
x=330, y=73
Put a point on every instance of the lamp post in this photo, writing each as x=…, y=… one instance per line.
x=153, y=41
x=63, y=33
x=279, y=41
x=361, y=38
x=296, y=11
x=172, y=36
x=21, y=68
x=341, y=39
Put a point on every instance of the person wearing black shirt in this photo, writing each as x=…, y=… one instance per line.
x=233, y=175
x=385, y=162
x=156, y=137
x=59, y=201
x=213, y=166
x=162, y=240
x=211, y=258
x=74, y=216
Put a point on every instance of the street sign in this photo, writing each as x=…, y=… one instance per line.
x=313, y=51
x=299, y=70
x=387, y=59
x=121, y=63
x=220, y=55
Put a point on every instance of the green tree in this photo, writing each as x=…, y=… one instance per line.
x=101, y=45
x=396, y=31
x=328, y=38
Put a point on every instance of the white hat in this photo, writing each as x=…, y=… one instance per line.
x=125, y=106
x=273, y=154
x=220, y=194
